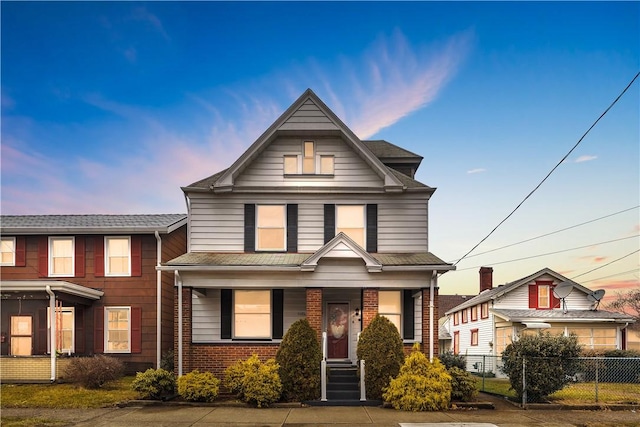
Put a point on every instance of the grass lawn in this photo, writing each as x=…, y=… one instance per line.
x=62, y=396
x=579, y=393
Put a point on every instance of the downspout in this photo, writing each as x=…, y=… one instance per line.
x=158, y=300
x=432, y=284
x=52, y=332
x=178, y=282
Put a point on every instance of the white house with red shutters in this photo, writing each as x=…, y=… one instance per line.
x=488, y=322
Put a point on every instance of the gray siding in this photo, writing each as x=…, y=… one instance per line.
x=308, y=117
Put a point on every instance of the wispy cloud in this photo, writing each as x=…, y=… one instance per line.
x=477, y=170
x=585, y=158
x=143, y=15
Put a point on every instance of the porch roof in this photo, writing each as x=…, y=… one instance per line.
x=560, y=316
x=55, y=286
x=90, y=224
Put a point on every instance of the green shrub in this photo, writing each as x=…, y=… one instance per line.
x=93, y=372
x=449, y=360
x=198, y=386
x=463, y=385
x=299, y=357
x=420, y=386
x=612, y=366
x=550, y=364
x=154, y=383
x=254, y=382
x=380, y=346
x=166, y=362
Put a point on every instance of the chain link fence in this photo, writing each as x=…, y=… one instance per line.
x=599, y=380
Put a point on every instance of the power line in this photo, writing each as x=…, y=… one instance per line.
x=552, y=170
x=553, y=232
x=609, y=263
x=551, y=253
x=611, y=275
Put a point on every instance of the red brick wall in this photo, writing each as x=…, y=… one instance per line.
x=425, y=321
x=314, y=310
x=369, y=306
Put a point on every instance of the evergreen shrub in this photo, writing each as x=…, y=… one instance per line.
x=450, y=360
x=420, y=386
x=198, y=386
x=463, y=385
x=154, y=384
x=93, y=372
x=299, y=357
x=254, y=382
x=380, y=346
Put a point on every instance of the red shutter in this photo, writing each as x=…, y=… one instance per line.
x=533, y=296
x=136, y=255
x=98, y=257
x=43, y=256
x=136, y=330
x=98, y=330
x=555, y=302
x=79, y=255
x=79, y=332
x=21, y=251
x=42, y=337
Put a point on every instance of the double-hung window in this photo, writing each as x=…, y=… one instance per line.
x=474, y=337
x=390, y=306
x=309, y=158
x=350, y=219
x=21, y=335
x=474, y=313
x=8, y=251
x=465, y=317
x=252, y=314
x=270, y=228
x=64, y=318
x=484, y=310
x=61, y=256
x=544, y=296
x=117, y=256
x=117, y=329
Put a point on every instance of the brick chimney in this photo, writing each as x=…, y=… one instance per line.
x=486, y=278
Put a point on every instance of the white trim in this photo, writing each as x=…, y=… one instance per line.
x=73, y=256
x=13, y=252
x=107, y=309
x=106, y=257
x=55, y=285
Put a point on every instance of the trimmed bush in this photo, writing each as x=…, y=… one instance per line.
x=463, y=385
x=420, y=386
x=450, y=360
x=550, y=364
x=166, y=362
x=154, y=384
x=93, y=372
x=198, y=386
x=254, y=382
x=380, y=346
x=299, y=357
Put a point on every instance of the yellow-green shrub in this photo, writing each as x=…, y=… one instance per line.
x=420, y=386
x=254, y=382
x=198, y=386
x=154, y=383
x=463, y=385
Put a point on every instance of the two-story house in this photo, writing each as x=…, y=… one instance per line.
x=84, y=285
x=488, y=322
x=310, y=222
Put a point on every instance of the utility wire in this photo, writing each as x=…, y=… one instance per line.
x=553, y=232
x=609, y=263
x=612, y=275
x=552, y=253
x=552, y=170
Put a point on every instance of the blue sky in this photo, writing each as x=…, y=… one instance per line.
x=110, y=107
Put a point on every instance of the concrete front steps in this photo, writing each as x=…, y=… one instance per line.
x=343, y=388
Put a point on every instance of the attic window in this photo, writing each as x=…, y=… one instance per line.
x=309, y=162
x=309, y=158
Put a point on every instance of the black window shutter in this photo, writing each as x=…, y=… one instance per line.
x=226, y=302
x=329, y=222
x=372, y=228
x=277, y=316
x=292, y=228
x=249, y=228
x=408, y=320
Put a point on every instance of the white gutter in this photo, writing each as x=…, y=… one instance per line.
x=52, y=320
x=178, y=282
x=228, y=268
x=432, y=283
x=158, y=300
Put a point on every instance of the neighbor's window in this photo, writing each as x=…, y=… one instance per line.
x=61, y=256
x=543, y=296
x=326, y=165
x=465, y=316
x=504, y=337
x=270, y=228
x=595, y=338
x=456, y=342
x=64, y=329
x=117, y=329
x=8, y=251
x=350, y=219
x=474, y=313
x=309, y=158
x=474, y=337
x=390, y=306
x=117, y=256
x=252, y=314
x=484, y=310
x=456, y=318
x=21, y=339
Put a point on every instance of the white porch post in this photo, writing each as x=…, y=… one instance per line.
x=432, y=284
x=52, y=331
x=158, y=300
x=323, y=369
x=179, y=283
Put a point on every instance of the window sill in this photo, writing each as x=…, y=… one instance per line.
x=308, y=175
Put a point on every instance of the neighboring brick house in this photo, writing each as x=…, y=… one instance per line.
x=309, y=222
x=88, y=283
x=488, y=322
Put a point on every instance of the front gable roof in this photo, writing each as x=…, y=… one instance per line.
x=501, y=290
x=325, y=121
x=342, y=246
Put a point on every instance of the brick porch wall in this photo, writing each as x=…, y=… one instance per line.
x=314, y=310
x=425, y=321
x=36, y=369
x=369, y=306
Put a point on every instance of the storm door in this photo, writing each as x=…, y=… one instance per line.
x=337, y=330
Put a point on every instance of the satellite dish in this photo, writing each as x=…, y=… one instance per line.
x=595, y=297
x=562, y=290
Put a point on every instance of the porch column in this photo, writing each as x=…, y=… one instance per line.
x=426, y=342
x=369, y=305
x=314, y=310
